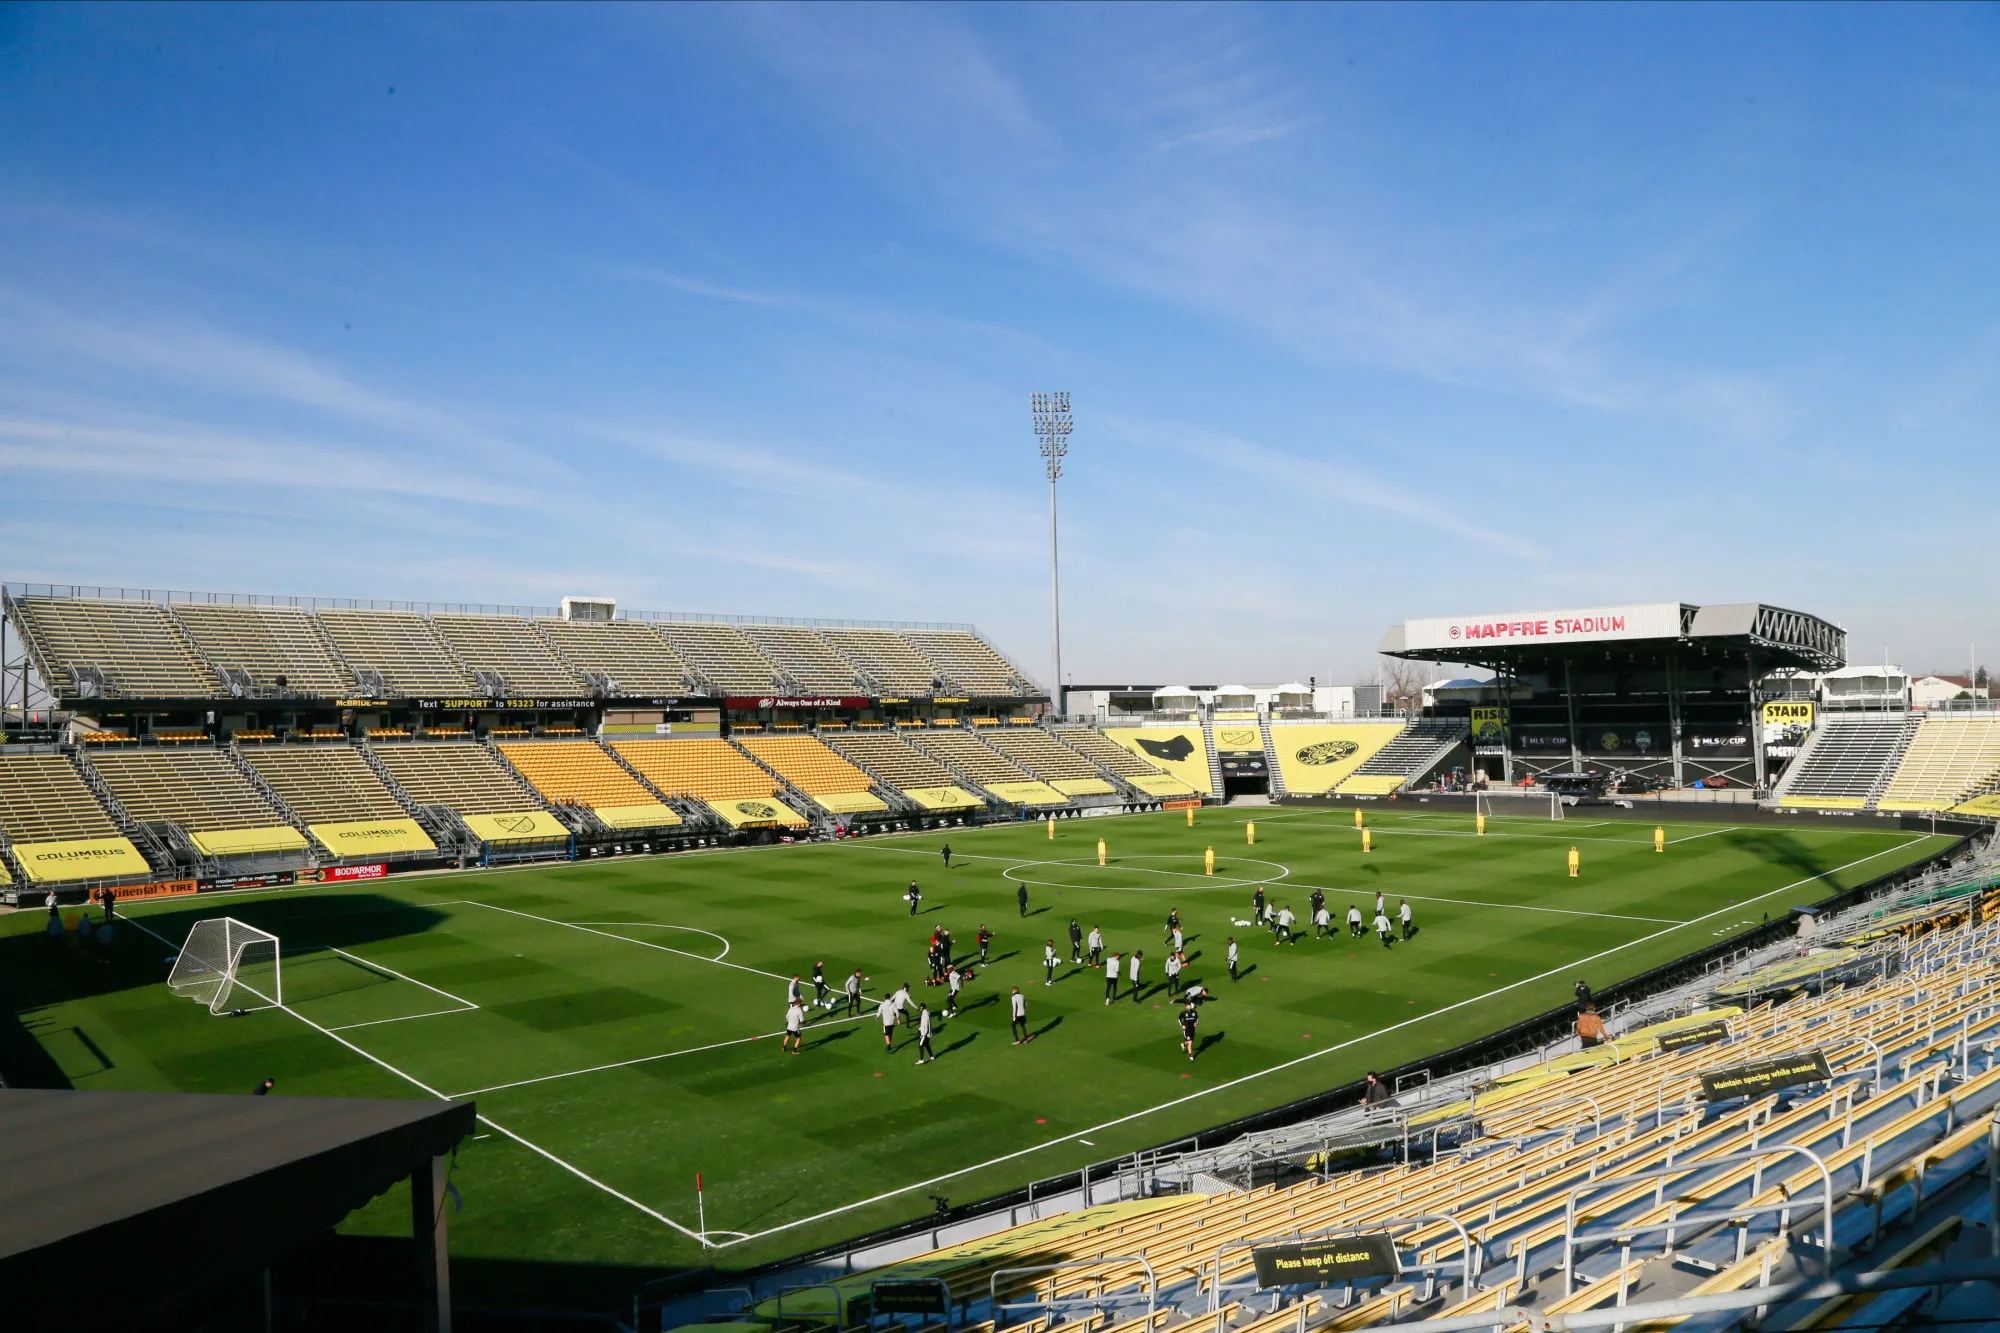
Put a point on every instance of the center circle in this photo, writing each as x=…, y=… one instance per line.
x=1169, y=880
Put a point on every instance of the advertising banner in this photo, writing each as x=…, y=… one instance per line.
x=1161, y=785
x=1487, y=728
x=942, y=798
x=1084, y=787
x=243, y=841
x=908, y=1296
x=1786, y=725
x=850, y=802
x=1027, y=793
x=524, y=824
x=1324, y=1262
x=796, y=701
x=1592, y=624
x=1182, y=752
x=134, y=892
x=277, y=879
x=341, y=874
x=365, y=837
x=82, y=858
x=1240, y=751
x=650, y=815
x=1762, y=1076
x=1681, y=1039
x=754, y=812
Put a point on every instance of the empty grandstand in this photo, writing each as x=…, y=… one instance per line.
x=624, y=656
x=1848, y=761
x=816, y=769
x=1414, y=751
x=506, y=656
x=583, y=774
x=85, y=648
x=464, y=777
x=1147, y=777
x=43, y=800
x=399, y=651
x=807, y=661
x=968, y=663
x=887, y=658
x=325, y=784
x=903, y=766
x=263, y=651
x=718, y=652
x=968, y=755
x=201, y=792
x=1949, y=758
x=1049, y=760
x=715, y=773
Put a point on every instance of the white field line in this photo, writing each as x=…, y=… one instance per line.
x=486, y=1120
x=648, y=1059
x=592, y=930
x=1517, y=907
x=661, y=925
x=1727, y=828
x=1288, y=1064
x=377, y=1022
x=383, y=967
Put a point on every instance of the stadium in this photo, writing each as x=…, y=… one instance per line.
x=563, y=866
x=592, y=742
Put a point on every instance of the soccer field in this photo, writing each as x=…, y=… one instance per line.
x=617, y=1022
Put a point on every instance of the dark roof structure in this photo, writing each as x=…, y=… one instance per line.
x=1522, y=642
x=126, y=1201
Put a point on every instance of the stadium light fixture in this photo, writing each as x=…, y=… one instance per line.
x=1052, y=425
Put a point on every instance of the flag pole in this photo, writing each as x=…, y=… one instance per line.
x=701, y=1211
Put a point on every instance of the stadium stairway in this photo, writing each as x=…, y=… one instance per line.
x=1847, y=762
x=1420, y=747
x=789, y=792
x=440, y=822
x=166, y=847
x=1271, y=758
x=1215, y=760
x=264, y=789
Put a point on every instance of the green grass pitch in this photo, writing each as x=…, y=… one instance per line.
x=617, y=1022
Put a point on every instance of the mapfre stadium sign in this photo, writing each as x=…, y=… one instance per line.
x=1647, y=620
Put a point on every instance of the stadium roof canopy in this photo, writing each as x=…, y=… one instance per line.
x=1525, y=641
x=130, y=1201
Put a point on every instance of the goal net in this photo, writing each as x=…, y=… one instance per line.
x=227, y=966
x=1555, y=805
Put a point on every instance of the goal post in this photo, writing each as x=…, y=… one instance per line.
x=228, y=965
x=1555, y=805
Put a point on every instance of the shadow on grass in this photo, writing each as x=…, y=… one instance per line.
x=34, y=975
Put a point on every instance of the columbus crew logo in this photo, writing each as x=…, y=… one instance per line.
x=1239, y=739
x=515, y=823
x=757, y=810
x=1327, y=752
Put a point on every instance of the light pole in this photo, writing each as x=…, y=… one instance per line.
x=1051, y=411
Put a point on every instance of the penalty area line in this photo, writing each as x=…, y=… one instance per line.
x=648, y=1059
x=1293, y=1063
x=623, y=939
x=488, y=1121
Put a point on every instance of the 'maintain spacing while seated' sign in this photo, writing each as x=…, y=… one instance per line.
x=1762, y=1076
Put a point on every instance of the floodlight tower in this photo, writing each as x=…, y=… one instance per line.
x=1052, y=423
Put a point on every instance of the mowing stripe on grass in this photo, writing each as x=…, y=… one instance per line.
x=592, y=930
x=402, y=976
x=648, y=1059
x=1288, y=1064
x=1518, y=907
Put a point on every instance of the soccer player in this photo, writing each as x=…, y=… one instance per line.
x=957, y=979
x=1132, y=969
x=819, y=984
x=1381, y=903
x=794, y=993
x=1173, y=925
x=1049, y=961
x=924, y=1053
x=1110, y=978
x=903, y=1002
x=1017, y=1005
x=1382, y=927
x=795, y=1021
x=944, y=945
x=1021, y=897
x=1190, y=1017
x=887, y=1012
x=1075, y=941
x=1232, y=958
x=1257, y=906
x=1196, y=993
x=1354, y=921
x=933, y=962
x=914, y=896
x=1096, y=946
x=1403, y=912
x=1283, y=934
x=1318, y=900
x=985, y=942
x=946, y=849
x=1180, y=940
x=852, y=990
x=1173, y=966
x=1322, y=920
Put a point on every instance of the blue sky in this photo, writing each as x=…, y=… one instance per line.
x=1368, y=312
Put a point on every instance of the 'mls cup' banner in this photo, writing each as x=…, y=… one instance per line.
x=1649, y=620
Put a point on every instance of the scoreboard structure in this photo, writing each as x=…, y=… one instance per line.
x=1667, y=692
